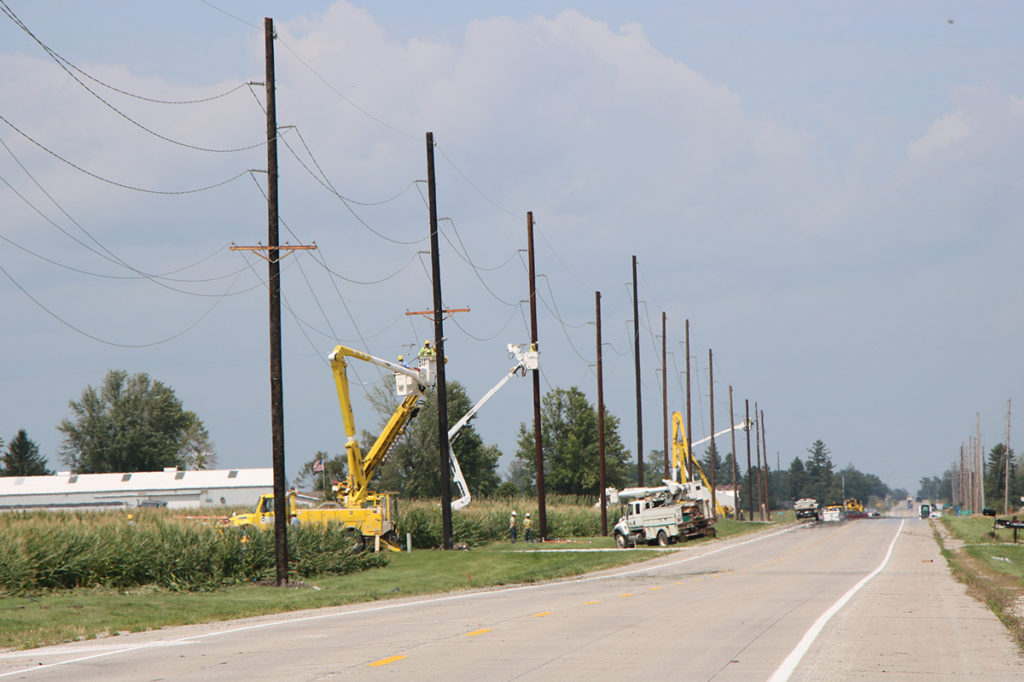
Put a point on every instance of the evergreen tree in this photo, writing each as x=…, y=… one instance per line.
x=797, y=479
x=22, y=458
x=995, y=475
x=821, y=480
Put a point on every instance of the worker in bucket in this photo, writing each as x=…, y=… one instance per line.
x=512, y=526
x=528, y=528
x=402, y=362
x=427, y=351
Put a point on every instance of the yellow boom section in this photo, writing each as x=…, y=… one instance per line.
x=360, y=466
x=681, y=451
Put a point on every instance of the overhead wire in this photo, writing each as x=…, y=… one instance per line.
x=327, y=185
x=60, y=62
x=115, y=183
x=476, y=272
x=489, y=338
x=108, y=342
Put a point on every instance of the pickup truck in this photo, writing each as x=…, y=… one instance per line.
x=807, y=508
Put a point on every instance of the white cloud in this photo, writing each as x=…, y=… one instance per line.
x=951, y=129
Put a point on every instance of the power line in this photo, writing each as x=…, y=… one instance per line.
x=114, y=182
x=60, y=62
x=476, y=271
x=512, y=314
x=67, y=324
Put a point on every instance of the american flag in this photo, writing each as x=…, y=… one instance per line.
x=318, y=466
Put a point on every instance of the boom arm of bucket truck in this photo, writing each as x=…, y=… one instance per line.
x=410, y=383
x=682, y=454
x=525, y=360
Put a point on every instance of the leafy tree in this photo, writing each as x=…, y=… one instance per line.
x=131, y=423
x=654, y=469
x=334, y=470
x=862, y=486
x=929, y=488
x=570, y=442
x=22, y=458
x=521, y=474
x=413, y=465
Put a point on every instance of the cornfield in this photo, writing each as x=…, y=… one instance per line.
x=65, y=551
x=487, y=520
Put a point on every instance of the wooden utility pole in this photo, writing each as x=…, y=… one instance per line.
x=600, y=416
x=664, y=390
x=639, y=408
x=750, y=471
x=714, y=450
x=735, y=480
x=274, y=286
x=764, y=446
x=442, y=393
x=980, y=462
x=689, y=424
x=1006, y=455
x=274, y=253
x=542, y=513
x=760, y=466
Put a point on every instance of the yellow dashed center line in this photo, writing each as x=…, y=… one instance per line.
x=655, y=588
x=542, y=614
x=626, y=594
x=385, y=661
x=596, y=601
x=477, y=632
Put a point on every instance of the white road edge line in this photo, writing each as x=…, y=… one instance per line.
x=788, y=667
x=383, y=607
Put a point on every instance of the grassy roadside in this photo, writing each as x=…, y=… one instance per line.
x=991, y=567
x=61, y=616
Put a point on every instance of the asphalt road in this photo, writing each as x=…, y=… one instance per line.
x=859, y=600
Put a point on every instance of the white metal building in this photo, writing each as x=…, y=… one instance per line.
x=171, y=488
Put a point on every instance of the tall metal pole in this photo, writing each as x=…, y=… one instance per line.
x=600, y=415
x=664, y=390
x=639, y=403
x=714, y=450
x=735, y=483
x=750, y=470
x=542, y=514
x=442, y=393
x=274, y=286
x=981, y=463
x=689, y=424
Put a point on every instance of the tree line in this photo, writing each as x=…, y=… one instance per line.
x=129, y=423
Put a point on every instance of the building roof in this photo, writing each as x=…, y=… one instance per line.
x=151, y=481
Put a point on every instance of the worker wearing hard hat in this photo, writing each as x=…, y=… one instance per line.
x=512, y=526
x=427, y=350
x=402, y=362
x=528, y=528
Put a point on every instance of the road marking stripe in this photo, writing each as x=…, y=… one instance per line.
x=655, y=588
x=385, y=661
x=542, y=614
x=626, y=594
x=488, y=592
x=783, y=672
x=596, y=601
x=478, y=632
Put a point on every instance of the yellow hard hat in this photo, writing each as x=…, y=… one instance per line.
x=427, y=342
x=400, y=358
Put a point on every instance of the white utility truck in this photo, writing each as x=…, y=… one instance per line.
x=807, y=508
x=657, y=515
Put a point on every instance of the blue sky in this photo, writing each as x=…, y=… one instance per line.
x=831, y=195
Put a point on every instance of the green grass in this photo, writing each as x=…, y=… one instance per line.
x=30, y=621
x=46, y=616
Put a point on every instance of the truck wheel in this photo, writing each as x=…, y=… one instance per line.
x=356, y=538
x=662, y=538
x=620, y=541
